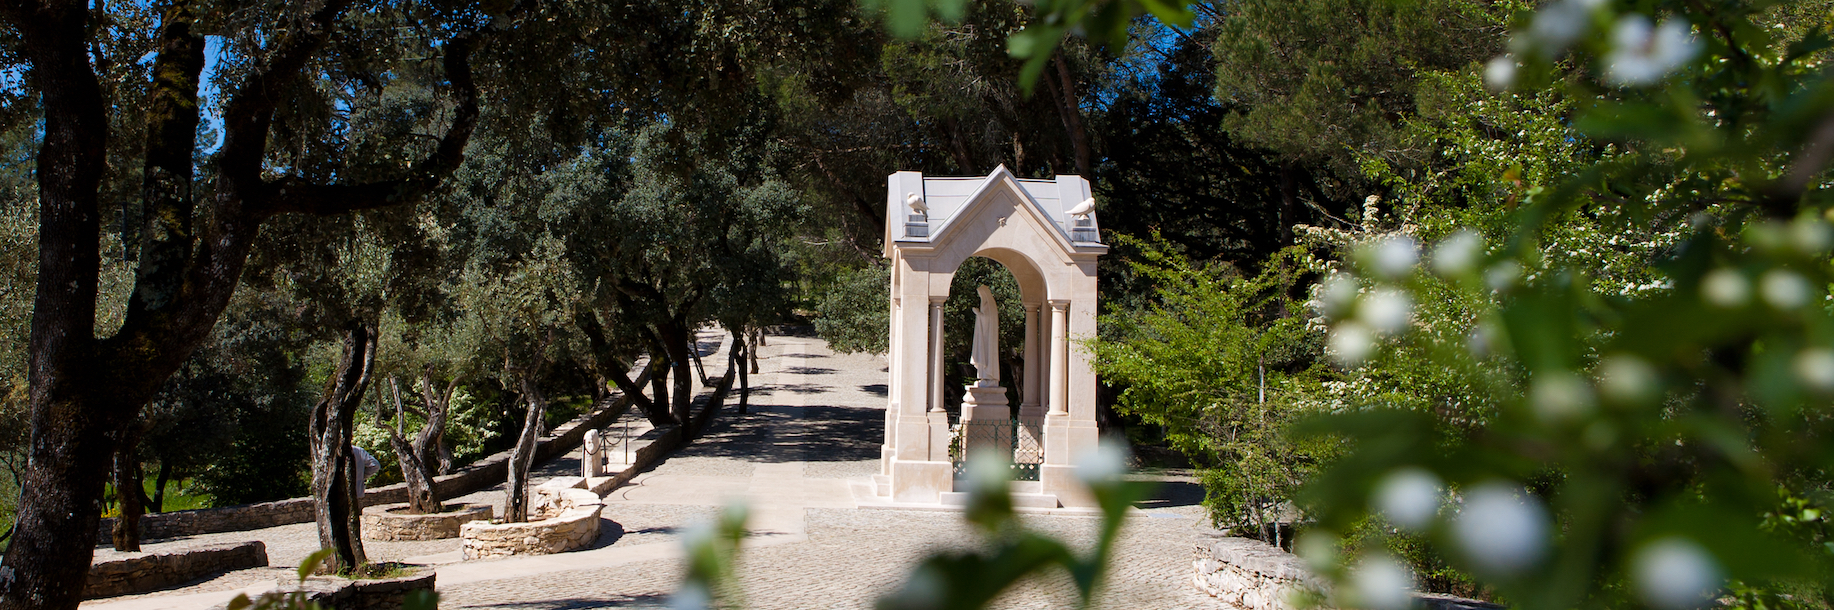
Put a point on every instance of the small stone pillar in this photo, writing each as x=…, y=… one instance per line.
x=592, y=456
x=987, y=421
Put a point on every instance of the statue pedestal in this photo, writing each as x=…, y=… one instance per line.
x=987, y=422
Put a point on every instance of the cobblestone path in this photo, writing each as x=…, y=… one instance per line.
x=814, y=424
x=811, y=432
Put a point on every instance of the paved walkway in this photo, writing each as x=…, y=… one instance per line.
x=813, y=429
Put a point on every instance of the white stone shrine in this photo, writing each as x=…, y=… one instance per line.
x=1044, y=232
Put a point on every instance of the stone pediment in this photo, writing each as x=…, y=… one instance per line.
x=957, y=203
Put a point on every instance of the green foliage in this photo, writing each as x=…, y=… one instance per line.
x=855, y=312
x=1324, y=81
x=1224, y=364
x=1641, y=344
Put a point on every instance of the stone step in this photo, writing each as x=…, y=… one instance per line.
x=881, y=485
x=1020, y=500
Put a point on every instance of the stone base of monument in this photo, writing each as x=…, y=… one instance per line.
x=393, y=522
x=1025, y=494
x=563, y=516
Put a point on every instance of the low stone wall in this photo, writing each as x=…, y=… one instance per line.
x=381, y=594
x=1253, y=575
x=653, y=445
x=571, y=521
x=484, y=473
x=154, y=571
x=393, y=522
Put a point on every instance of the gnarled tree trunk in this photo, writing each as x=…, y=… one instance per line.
x=337, y=508
x=522, y=456
x=416, y=472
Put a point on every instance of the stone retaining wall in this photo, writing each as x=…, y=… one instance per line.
x=393, y=522
x=1253, y=575
x=484, y=473
x=572, y=522
x=154, y=571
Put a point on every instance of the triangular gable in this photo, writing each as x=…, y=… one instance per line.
x=1003, y=178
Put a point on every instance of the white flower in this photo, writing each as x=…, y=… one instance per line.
x=1560, y=396
x=1626, y=378
x=1785, y=289
x=1337, y=293
x=1409, y=498
x=1317, y=548
x=1500, y=72
x=1558, y=25
x=1503, y=275
x=1103, y=464
x=1386, y=310
x=1814, y=367
x=1458, y=253
x=1383, y=583
x=1394, y=257
x=988, y=472
x=1502, y=528
x=1812, y=236
x=1351, y=342
x=1725, y=288
x=1642, y=55
x=1674, y=573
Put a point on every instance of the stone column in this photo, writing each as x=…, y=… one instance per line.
x=939, y=418
x=935, y=353
x=1060, y=357
x=592, y=456
x=1028, y=395
x=889, y=450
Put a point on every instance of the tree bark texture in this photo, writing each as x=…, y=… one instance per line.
x=336, y=507
x=128, y=493
x=675, y=336
x=522, y=456
x=614, y=368
x=83, y=390
x=415, y=472
x=735, y=361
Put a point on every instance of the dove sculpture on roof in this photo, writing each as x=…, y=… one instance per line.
x=917, y=205
x=1082, y=210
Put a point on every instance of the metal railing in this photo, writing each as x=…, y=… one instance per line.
x=1023, y=435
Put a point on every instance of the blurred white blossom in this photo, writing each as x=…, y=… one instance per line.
x=1500, y=72
x=1409, y=498
x=1502, y=528
x=1814, y=367
x=1394, y=257
x=1458, y=253
x=1725, y=288
x=1503, y=275
x=1382, y=583
x=1811, y=235
x=1337, y=293
x=1560, y=396
x=1626, y=378
x=1784, y=289
x=1386, y=310
x=1558, y=24
x=1675, y=573
x=1642, y=54
x=1350, y=343
x=1103, y=464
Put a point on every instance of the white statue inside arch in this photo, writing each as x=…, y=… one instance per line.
x=986, y=347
